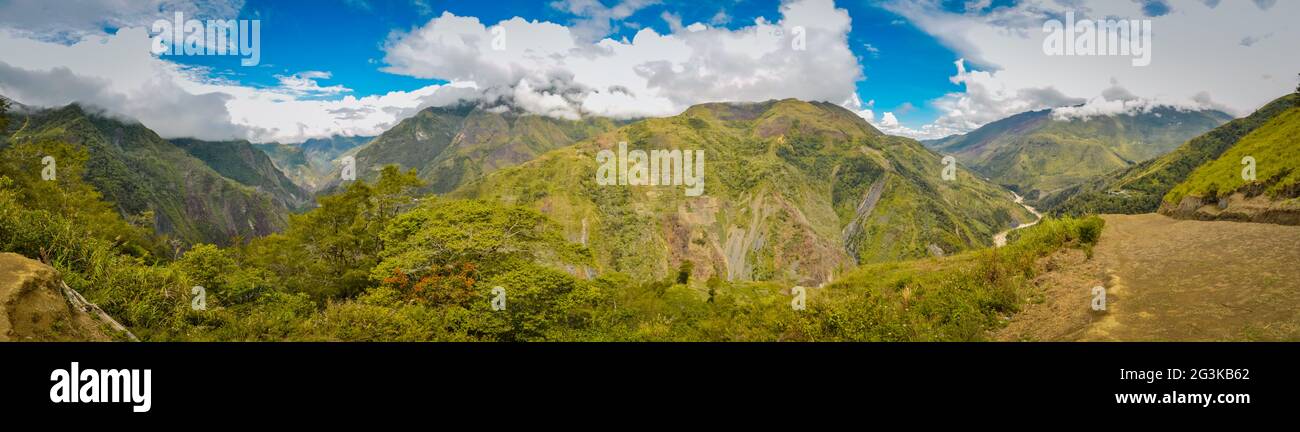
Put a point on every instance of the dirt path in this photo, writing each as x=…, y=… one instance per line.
x=1172, y=280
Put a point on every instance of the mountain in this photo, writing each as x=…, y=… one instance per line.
x=1040, y=153
x=1221, y=189
x=1142, y=187
x=448, y=146
x=140, y=172
x=793, y=191
x=241, y=162
x=309, y=163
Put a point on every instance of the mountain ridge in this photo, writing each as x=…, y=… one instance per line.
x=795, y=191
x=1039, y=153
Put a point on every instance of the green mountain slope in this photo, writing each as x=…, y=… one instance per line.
x=448, y=146
x=1219, y=190
x=241, y=162
x=309, y=163
x=140, y=172
x=1142, y=187
x=794, y=191
x=1040, y=155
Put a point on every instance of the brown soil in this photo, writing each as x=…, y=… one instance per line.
x=35, y=305
x=1171, y=280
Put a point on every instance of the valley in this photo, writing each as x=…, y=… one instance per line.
x=1000, y=239
x=458, y=200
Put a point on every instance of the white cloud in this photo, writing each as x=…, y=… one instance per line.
x=118, y=74
x=304, y=84
x=649, y=75
x=55, y=20
x=597, y=20
x=545, y=68
x=1198, y=54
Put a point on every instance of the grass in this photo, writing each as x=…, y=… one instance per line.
x=1277, y=164
x=959, y=298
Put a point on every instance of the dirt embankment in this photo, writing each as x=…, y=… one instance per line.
x=35, y=305
x=1170, y=280
x=1238, y=207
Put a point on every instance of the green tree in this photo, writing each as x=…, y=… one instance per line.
x=218, y=271
x=57, y=185
x=445, y=233
x=329, y=251
x=4, y=114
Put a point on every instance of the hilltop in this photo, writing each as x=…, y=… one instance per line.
x=448, y=146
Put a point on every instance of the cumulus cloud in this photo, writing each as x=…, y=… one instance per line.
x=1204, y=55
x=548, y=68
x=597, y=20
x=53, y=20
x=136, y=86
x=51, y=59
x=118, y=74
x=304, y=84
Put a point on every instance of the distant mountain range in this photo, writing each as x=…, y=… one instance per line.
x=309, y=163
x=1040, y=153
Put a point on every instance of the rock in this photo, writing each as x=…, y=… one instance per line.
x=35, y=305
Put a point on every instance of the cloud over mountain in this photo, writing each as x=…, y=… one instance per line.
x=548, y=69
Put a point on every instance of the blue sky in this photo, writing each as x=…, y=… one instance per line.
x=904, y=66
x=917, y=68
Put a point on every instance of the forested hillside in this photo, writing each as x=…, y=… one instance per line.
x=794, y=191
x=143, y=176
x=1142, y=187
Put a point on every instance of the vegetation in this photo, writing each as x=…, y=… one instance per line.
x=449, y=146
x=428, y=272
x=147, y=177
x=1040, y=155
x=309, y=163
x=1272, y=146
x=378, y=260
x=795, y=193
x=1142, y=187
x=241, y=162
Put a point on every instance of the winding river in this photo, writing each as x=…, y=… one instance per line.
x=1000, y=239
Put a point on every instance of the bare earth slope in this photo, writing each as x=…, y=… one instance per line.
x=1173, y=280
x=35, y=305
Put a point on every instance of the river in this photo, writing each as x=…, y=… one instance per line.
x=1000, y=239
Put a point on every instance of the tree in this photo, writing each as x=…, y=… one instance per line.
x=329, y=251
x=4, y=114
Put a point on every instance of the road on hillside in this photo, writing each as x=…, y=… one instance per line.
x=1173, y=280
